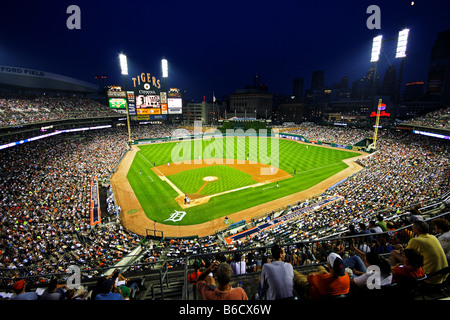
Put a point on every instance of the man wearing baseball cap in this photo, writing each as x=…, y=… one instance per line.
x=325, y=283
x=20, y=294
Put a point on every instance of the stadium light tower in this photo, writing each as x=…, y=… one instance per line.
x=123, y=64
x=165, y=68
x=402, y=42
x=124, y=70
x=165, y=75
x=376, y=49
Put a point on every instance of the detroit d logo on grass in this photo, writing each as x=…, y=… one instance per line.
x=176, y=216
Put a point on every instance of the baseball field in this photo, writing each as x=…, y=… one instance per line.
x=187, y=184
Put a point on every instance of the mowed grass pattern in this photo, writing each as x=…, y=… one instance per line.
x=311, y=165
x=191, y=181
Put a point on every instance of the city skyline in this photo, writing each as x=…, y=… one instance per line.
x=218, y=48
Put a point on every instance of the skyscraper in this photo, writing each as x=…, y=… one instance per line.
x=318, y=80
x=297, y=89
x=389, y=81
x=438, y=84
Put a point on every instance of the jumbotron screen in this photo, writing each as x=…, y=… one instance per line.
x=148, y=104
x=175, y=105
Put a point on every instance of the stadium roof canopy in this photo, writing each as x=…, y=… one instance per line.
x=41, y=80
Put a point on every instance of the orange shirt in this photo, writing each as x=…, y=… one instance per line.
x=404, y=273
x=322, y=285
x=209, y=293
x=192, y=277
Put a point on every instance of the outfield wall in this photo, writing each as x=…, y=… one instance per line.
x=331, y=144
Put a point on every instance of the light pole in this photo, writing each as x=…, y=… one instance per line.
x=375, y=57
x=124, y=71
x=165, y=74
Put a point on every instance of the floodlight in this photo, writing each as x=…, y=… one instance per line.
x=401, y=44
x=376, y=49
x=123, y=63
x=165, y=68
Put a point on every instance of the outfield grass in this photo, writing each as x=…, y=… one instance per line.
x=311, y=163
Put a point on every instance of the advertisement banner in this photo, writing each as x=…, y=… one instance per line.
x=95, y=202
x=148, y=111
x=130, y=96
x=163, y=97
x=131, y=109
x=143, y=117
x=116, y=94
x=158, y=117
x=163, y=108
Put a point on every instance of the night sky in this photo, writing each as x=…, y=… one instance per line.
x=218, y=46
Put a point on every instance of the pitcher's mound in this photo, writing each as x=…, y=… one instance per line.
x=210, y=178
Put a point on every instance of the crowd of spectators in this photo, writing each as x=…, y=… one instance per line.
x=338, y=135
x=438, y=119
x=44, y=209
x=24, y=110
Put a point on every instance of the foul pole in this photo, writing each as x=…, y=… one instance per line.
x=376, y=124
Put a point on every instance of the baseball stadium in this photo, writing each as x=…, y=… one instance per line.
x=201, y=191
x=131, y=191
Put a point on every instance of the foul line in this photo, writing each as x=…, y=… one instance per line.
x=162, y=176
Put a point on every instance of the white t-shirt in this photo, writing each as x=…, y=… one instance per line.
x=277, y=279
x=369, y=277
x=444, y=240
x=238, y=267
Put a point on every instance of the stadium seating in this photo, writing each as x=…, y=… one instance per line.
x=44, y=212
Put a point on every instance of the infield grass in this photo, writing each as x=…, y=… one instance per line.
x=191, y=181
x=311, y=164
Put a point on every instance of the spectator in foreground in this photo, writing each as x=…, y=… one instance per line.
x=108, y=291
x=277, y=277
x=442, y=227
x=410, y=268
x=381, y=223
x=429, y=247
x=20, y=294
x=238, y=265
x=325, y=282
x=192, y=277
x=372, y=262
x=222, y=290
x=54, y=291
